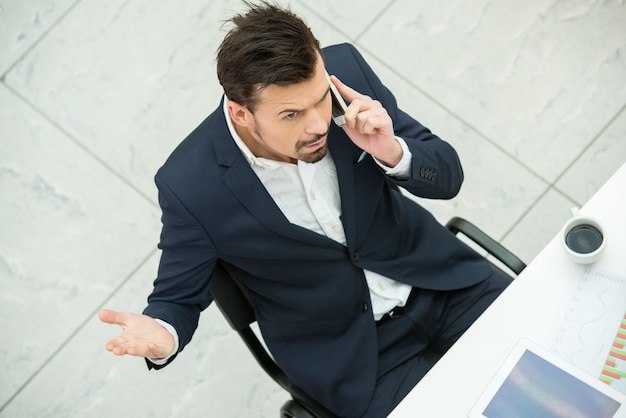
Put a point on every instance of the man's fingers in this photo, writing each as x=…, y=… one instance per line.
x=369, y=121
x=362, y=108
x=108, y=316
x=348, y=93
x=121, y=346
x=116, y=346
x=113, y=317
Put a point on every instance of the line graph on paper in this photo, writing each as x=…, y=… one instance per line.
x=589, y=333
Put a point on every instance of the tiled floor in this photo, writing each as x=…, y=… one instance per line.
x=95, y=94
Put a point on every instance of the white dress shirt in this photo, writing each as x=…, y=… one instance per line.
x=308, y=195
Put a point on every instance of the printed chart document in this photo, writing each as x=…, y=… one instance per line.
x=591, y=333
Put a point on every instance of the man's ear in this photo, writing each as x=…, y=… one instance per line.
x=239, y=114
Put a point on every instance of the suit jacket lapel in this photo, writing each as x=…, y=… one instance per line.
x=248, y=189
x=359, y=184
x=344, y=155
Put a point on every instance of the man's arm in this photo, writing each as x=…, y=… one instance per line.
x=180, y=291
x=435, y=167
x=187, y=262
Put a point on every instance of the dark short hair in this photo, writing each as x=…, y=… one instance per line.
x=267, y=45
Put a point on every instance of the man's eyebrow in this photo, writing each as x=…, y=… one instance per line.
x=300, y=110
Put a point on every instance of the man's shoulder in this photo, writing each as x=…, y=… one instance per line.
x=340, y=51
x=343, y=45
x=196, y=151
x=346, y=62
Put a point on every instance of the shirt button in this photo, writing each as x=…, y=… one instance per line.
x=355, y=256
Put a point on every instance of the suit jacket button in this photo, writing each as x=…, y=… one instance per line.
x=355, y=256
x=364, y=307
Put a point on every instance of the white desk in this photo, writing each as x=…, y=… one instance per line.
x=529, y=307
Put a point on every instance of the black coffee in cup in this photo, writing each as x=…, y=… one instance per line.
x=584, y=239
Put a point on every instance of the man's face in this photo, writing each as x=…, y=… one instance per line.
x=291, y=122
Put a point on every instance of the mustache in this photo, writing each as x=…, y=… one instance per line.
x=302, y=144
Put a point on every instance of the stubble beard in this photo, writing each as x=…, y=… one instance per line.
x=315, y=156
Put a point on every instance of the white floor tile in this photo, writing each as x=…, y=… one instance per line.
x=597, y=164
x=215, y=376
x=134, y=82
x=538, y=78
x=350, y=17
x=71, y=232
x=22, y=23
x=539, y=226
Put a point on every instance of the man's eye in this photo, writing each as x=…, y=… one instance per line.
x=291, y=116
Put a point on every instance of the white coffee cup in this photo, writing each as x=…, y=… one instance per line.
x=583, y=238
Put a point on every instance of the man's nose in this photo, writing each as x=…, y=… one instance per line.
x=316, y=122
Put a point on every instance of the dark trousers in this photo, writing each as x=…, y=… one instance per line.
x=431, y=320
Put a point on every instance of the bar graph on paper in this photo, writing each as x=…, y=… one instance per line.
x=592, y=331
x=614, y=370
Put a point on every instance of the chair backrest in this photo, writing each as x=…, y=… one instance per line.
x=459, y=225
x=236, y=305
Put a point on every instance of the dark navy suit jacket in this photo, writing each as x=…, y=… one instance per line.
x=311, y=298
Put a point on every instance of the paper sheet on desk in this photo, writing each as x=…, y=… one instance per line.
x=591, y=333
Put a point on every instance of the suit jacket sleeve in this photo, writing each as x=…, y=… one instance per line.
x=436, y=171
x=187, y=253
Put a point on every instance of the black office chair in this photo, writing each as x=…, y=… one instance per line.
x=235, y=304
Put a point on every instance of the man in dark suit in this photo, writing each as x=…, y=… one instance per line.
x=351, y=280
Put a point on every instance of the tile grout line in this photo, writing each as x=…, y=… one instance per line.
x=552, y=186
x=458, y=118
x=338, y=29
x=78, y=143
x=77, y=330
x=41, y=37
x=526, y=212
x=371, y=23
x=323, y=18
x=56, y=125
x=586, y=148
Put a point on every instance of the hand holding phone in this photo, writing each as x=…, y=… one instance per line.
x=368, y=125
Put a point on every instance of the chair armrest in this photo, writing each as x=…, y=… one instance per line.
x=456, y=225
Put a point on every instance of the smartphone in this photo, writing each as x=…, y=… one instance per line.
x=339, y=105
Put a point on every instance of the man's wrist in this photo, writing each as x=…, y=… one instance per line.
x=169, y=328
x=403, y=167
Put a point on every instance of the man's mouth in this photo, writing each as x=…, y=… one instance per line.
x=317, y=144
